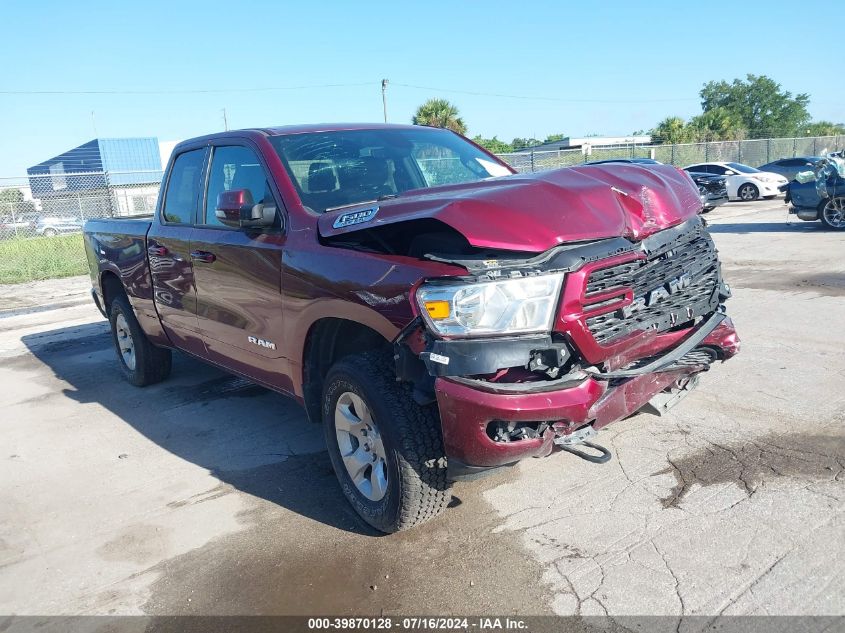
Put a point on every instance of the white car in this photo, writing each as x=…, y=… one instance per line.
x=743, y=182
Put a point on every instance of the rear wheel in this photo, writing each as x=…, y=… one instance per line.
x=141, y=362
x=832, y=213
x=386, y=450
x=50, y=232
x=748, y=192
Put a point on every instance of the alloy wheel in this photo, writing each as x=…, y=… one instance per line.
x=747, y=193
x=834, y=213
x=361, y=446
x=125, y=343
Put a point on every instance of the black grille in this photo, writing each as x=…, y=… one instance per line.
x=676, y=284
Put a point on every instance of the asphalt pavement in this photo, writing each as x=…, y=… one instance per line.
x=208, y=495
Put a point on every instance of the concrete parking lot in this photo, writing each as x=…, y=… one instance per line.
x=206, y=494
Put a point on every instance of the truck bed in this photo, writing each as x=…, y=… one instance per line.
x=129, y=227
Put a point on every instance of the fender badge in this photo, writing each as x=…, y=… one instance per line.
x=437, y=358
x=355, y=217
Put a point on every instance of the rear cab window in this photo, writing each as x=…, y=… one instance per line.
x=183, y=188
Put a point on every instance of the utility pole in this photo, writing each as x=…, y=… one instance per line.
x=225, y=121
x=384, y=83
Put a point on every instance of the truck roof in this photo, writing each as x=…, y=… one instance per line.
x=297, y=129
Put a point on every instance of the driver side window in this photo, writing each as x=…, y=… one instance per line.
x=235, y=167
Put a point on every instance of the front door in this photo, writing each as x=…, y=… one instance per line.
x=168, y=251
x=237, y=272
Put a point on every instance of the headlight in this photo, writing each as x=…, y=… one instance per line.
x=510, y=306
x=766, y=179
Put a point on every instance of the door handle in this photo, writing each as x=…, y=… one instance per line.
x=157, y=251
x=203, y=256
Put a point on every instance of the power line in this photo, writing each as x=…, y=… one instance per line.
x=181, y=91
x=540, y=98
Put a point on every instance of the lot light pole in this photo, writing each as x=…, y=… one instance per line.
x=384, y=83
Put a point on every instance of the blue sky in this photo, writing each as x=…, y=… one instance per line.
x=600, y=67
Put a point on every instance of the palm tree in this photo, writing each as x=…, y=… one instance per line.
x=671, y=130
x=440, y=113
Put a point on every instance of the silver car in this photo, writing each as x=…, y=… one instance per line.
x=53, y=225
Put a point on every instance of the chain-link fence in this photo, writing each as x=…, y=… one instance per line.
x=753, y=152
x=42, y=215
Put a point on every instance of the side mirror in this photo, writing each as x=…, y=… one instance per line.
x=237, y=209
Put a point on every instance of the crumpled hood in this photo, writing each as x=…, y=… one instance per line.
x=535, y=212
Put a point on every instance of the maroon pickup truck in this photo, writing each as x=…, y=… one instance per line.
x=437, y=313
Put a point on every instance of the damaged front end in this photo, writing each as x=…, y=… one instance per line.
x=525, y=354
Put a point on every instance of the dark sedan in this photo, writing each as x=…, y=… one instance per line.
x=635, y=161
x=788, y=167
x=711, y=188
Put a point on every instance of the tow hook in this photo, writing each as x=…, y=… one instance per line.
x=580, y=437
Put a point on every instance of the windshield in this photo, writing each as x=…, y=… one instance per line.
x=337, y=169
x=743, y=169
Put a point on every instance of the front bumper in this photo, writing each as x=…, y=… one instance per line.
x=769, y=188
x=711, y=201
x=467, y=410
x=808, y=215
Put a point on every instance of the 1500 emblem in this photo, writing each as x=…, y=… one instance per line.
x=355, y=217
x=261, y=342
x=671, y=287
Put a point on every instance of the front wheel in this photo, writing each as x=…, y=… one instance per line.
x=142, y=362
x=748, y=192
x=832, y=213
x=386, y=450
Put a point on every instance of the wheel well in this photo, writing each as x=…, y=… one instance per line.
x=112, y=287
x=328, y=341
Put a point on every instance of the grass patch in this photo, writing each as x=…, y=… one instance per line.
x=28, y=259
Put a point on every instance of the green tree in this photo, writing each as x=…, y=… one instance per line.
x=759, y=104
x=521, y=143
x=11, y=195
x=671, y=130
x=823, y=128
x=716, y=124
x=12, y=204
x=440, y=113
x=493, y=145
x=552, y=138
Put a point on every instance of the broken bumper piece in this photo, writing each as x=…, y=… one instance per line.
x=473, y=414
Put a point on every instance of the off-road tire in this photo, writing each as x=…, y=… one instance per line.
x=753, y=188
x=417, y=489
x=152, y=364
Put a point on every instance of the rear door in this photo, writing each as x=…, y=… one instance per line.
x=238, y=271
x=169, y=252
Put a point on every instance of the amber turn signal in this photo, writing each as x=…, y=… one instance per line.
x=437, y=309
